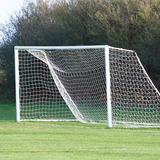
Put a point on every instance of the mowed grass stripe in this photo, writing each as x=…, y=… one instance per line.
x=75, y=141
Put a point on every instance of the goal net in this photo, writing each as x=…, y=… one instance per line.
x=96, y=84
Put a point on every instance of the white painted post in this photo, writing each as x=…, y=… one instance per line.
x=17, y=85
x=108, y=89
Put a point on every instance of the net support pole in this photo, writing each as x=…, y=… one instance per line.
x=108, y=89
x=17, y=85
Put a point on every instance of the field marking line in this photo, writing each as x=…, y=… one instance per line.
x=80, y=150
x=72, y=126
x=56, y=125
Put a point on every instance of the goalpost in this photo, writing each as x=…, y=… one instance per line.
x=95, y=84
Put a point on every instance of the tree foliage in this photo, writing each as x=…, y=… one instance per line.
x=131, y=24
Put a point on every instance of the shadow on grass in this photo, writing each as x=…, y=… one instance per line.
x=7, y=112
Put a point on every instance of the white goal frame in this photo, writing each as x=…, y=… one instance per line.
x=107, y=72
x=108, y=92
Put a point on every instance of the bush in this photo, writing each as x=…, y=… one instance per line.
x=131, y=24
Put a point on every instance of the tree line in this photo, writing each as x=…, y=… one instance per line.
x=130, y=24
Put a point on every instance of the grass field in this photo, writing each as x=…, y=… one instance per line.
x=73, y=140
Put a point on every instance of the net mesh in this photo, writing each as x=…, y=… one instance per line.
x=79, y=76
x=39, y=96
x=70, y=84
x=134, y=97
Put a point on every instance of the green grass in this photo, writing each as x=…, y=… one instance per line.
x=73, y=140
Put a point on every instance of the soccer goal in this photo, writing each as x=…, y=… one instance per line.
x=95, y=84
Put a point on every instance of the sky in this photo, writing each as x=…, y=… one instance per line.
x=7, y=8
